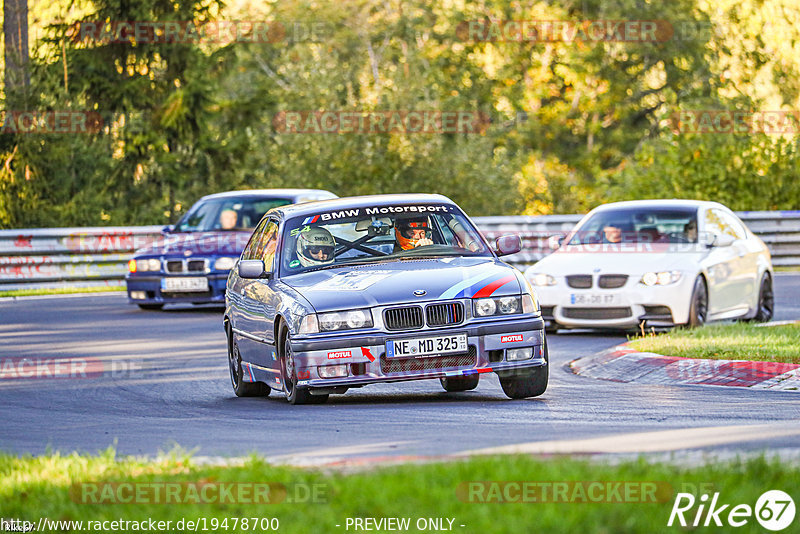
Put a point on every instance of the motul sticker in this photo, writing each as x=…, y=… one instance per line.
x=339, y=354
x=513, y=338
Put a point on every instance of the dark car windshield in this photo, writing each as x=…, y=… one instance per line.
x=229, y=213
x=380, y=233
x=639, y=225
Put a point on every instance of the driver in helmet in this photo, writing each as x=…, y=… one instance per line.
x=315, y=247
x=412, y=232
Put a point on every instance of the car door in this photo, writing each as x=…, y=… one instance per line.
x=746, y=278
x=261, y=302
x=240, y=313
x=724, y=263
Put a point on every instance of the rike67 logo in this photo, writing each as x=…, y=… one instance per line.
x=774, y=510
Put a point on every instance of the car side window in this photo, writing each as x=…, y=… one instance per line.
x=720, y=223
x=267, y=245
x=255, y=239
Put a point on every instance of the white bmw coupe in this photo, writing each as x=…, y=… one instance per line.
x=658, y=263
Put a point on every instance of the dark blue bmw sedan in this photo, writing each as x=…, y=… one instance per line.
x=343, y=293
x=191, y=261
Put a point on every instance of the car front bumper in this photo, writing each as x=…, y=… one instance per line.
x=148, y=287
x=626, y=307
x=488, y=343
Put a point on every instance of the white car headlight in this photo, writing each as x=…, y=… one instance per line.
x=542, y=279
x=661, y=278
x=225, y=263
x=330, y=322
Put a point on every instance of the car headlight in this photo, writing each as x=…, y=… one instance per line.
x=344, y=320
x=661, y=278
x=542, y=279
x=152, y=264
x=497, y=306
x=225, y=263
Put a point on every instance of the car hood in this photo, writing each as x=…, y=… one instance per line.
x=395, y=282
x=197, y=244
x=645, y=259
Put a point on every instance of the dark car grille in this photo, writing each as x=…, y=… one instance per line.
x=579, y=281
x=612, y=281
x=410, y=365
x=596, y=313
x=186, y=266
x=196, y=266
x=444, y=314
x=175, y=266
x=406, y=318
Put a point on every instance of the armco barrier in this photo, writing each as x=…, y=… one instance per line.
x=81, y=257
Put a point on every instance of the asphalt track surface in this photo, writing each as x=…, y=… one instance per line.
x=166, y=383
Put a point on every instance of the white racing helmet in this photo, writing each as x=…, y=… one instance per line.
x=315, y=247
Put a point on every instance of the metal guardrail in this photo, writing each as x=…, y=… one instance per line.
x=82, y=257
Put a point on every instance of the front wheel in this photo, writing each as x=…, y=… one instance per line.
x=294, y=394
x=698, y=309
x=527, y=382
x=459, y=383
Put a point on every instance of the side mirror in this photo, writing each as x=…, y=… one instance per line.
x=724, y=240
x=167, y=229
x=508, y=244
x=555, y=241
x=251, y=269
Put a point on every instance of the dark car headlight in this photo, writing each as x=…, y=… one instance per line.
x=335, y=321
x=488, y=307
x=144, y=265
x=224, y=263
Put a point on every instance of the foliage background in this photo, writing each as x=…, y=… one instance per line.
x=573, y=124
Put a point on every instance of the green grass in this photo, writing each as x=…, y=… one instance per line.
x=787, y=268
x=34, y=487
x=736, y=341
x=58, y=291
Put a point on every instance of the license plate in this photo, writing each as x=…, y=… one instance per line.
x=426, y=346
x=594, y=299
x=191, y=283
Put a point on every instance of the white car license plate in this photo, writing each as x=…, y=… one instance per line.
x=427, y=346
x=191, y=283
x=594, y=299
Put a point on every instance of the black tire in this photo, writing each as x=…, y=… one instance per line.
x=460, y=383
x=151, y=307
x=240, y=387
x=294, y=395
x=698, y=309
x=766, y=301
x=527, y=382
x=551, y=328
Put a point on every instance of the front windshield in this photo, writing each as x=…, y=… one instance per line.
x=638, y=225
x=380, y=233
x=228, y=214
